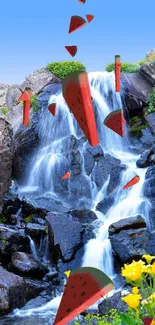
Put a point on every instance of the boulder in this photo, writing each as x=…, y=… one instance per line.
x=150, y=119
x=34, y=288
x=3, y=92
x=113, y=302
x=12, y=291
x=12, y=96
x=84, y=216
x=146, y=159
x=104, y=167
x=35, y=231
x=147, y=71
x=6, y=153
x=137, y=90
x=104, y=205
x=67, y=237
x=132, y=244
x=25, y=143
x=11, y=241
x=136, y=222
x=91, y=155
x=149, y=193
x=26, y=265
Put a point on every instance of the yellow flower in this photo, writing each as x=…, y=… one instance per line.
x=133, y=271
x=153, y=322
x=67, y=273
x=147, y=269
x=132, y=300
x=153, y=268
x=148, y=258
x=135, y=290
x=152, y=297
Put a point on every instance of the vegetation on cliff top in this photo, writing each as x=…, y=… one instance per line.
x=131, y=67
x=62, y=69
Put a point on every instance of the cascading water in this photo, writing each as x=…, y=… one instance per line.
x=51, y=157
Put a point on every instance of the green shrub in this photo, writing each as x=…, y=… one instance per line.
x=137, y=131
x=151, y=107
x=125, y=67
x=4, y=110
x=34, y=105
x=62, y=69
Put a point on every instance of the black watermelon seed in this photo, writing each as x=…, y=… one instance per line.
x=72, y=287
x=68, y=310
x=83, y=293
x=84, y=283
x=75, y=295
x=80, y=277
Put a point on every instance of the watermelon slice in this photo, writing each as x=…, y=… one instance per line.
x=52, y=108
x=67, y=175
x=76, y=23
x=76, y=92
x=89, y=18
x=84, y=287
x=82, y=1
x=147, y=320
x=71, y=49
x=24, y=96
x=115, y=121
x=132, y=182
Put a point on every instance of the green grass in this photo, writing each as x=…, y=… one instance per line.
x=34, y=105
x=151, y=106
x=137, y=131
x=125, y=67
x=28, y=219
x=62, y=69
x=4, y=110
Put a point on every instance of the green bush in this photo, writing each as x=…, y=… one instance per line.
x=125, y=67
x=4, y=110
x=151, y=107
x=34, y=105
x=137, y=131
x=62, y=69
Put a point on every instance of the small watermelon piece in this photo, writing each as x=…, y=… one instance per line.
x=76, y=92
x=132, y=182
x=84, y=287
x=147, y=320
x=89, y=18
x=76, y=22
x=71, y=49
x=67, y=175
x=52, y=108
x=115, y=121
x=82, y=1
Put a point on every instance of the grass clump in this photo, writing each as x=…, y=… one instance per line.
x=151, y=106
x=125, y=67
x=4, y=110
x=28, y=219
x=3, y=219
x=33, y=103
x=62, y=69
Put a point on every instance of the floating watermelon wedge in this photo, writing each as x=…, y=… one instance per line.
x=84, y=287
x=147, y=320
x=71, y=49
x=76, y=22
x=76, y=92
x=132, y=182
x=67, y=175
x=115, y=121
x=82, y=1
x=89, y=18
x=52, y=108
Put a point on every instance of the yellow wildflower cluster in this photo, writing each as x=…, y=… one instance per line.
x=133, y=271
x=153, y=322
x=133, y=299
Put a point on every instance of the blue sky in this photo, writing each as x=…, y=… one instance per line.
x=34, y=33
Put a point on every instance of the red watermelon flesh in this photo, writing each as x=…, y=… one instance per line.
x=67, y=175
x=76, y=92
x=115, y=121
x=147, y=320
x=76, y=23
x=82, y=1
x=84, y=287
x=24, y=96
x=89, y=18
x=71, y=49
x=52, y=108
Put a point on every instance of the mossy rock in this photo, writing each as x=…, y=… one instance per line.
x=28, y=219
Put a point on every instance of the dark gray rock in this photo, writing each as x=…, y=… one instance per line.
x=6, y=154
x=34, y=288
x=89, y=162
x=104, y=167
x=26, y=265
x=136, y=222
x=35, y=231
x=132, y=244
x=12, y=291
x=11, y=241
x=104, y=205
x=150, y=119
x=146, y=159
x=148, y=72
x=12, y=96
x=84, y=216
x=113, y=302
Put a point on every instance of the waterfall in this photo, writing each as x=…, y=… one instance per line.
x=51, y=156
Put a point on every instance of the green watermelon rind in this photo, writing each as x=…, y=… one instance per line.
x=114, y=113
x=96, y=274
x=117, y=58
